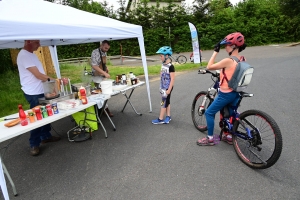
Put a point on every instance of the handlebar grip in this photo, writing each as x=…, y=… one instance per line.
x=202, y=71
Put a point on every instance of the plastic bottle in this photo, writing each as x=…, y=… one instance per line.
x=83, y=95
x=163, y=93
x=124, y=79
x=22, y=116
x=131, y=75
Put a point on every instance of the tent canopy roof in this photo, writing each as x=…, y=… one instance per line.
x=55, y=24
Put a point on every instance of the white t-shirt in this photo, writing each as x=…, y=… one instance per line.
x=30, y=84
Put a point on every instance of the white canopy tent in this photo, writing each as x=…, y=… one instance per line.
x=55, y=24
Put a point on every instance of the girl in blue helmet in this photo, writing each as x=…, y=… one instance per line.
x=167, y=77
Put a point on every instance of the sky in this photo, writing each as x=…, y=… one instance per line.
x=188, y=2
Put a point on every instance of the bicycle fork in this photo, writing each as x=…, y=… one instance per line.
x=201, y=109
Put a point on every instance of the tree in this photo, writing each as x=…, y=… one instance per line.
x=290, y=8
x=200, y=10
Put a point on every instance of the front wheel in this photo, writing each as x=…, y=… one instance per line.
x=198, y=111
x=264, y=149
x=181, y=59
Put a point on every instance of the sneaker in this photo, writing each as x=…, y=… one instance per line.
x=227, y=138
x=206, y=142
x=51, y=139
x=34, y=151
x=158, y=121
x=167, y=120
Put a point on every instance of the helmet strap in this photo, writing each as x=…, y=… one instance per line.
x=234, y=48
x=165, y=59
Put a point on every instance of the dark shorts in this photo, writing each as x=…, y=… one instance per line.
x=165, y=102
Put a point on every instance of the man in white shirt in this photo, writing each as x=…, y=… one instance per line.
x=32, y=76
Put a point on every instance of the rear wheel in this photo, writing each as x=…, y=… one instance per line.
x=198, y=111
x=264, y=149
x=181, y=59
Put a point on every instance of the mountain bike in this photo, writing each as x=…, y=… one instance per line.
x=256, y=137
x=181, y=59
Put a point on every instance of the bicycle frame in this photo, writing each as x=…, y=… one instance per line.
x=226, y=120
x=175, y=58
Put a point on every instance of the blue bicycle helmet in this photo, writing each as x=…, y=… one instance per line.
x=165, y=50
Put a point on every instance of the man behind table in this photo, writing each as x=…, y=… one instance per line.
x=32, y=76
x=98, y=63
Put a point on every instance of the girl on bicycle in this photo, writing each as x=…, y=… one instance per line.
x=234, y=43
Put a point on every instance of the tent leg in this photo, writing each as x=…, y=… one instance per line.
x=10, y=180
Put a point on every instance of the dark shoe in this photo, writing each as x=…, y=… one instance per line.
x=109, y=113
x=52, y=139
x=34, y=151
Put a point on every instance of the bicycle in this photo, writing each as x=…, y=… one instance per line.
x=181, y=59
x=256, y=137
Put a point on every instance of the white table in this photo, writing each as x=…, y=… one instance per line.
x=93, y=100
x=123, y=91
x=8, y=133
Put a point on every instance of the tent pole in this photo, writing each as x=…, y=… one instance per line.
x=53, y=52
x=143, y=54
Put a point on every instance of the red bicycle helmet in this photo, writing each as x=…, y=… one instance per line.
x=234, y=39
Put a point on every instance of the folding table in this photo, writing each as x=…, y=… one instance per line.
x=8, y=133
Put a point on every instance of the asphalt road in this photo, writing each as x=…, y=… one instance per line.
x=144, y=161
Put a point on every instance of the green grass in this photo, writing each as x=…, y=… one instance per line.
x=12, y=95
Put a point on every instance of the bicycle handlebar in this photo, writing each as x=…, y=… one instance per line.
x=204, y=71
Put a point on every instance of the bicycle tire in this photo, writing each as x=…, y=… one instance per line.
x=181, y=59
x=271, y=140
x=198, y=117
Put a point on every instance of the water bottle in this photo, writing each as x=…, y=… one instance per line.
x=212, y=93
x=163, y=93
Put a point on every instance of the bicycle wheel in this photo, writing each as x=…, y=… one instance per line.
x=265, y=148
x=181, y=59
x=198, y=116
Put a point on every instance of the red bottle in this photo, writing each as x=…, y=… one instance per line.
x=22, y=116
x=83, y=95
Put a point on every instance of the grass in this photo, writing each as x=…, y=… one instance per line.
x=12, y=95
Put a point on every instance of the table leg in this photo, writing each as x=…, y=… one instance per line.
x=98, y=119
x=103, y=110
x=128, y=101
x=109, y=119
